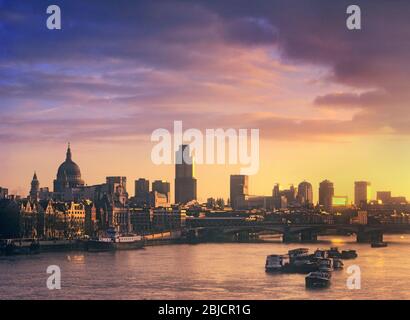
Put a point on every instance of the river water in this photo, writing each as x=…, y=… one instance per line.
x=204, y=271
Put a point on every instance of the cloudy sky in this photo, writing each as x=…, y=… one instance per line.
x=329, y=102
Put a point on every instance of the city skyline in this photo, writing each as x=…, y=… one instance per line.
x=373, y=195
x=329, y=102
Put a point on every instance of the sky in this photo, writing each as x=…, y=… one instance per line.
x=330, y=103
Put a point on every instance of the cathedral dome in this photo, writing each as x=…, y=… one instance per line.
x=68, y=169
x=68, y=174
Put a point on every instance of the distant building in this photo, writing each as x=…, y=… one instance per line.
x=398, y=200
x=305, y=193
x=362, y=193
x=340, y=201
x=159, y=199
x=185, y=182
x=281, y=199
x=239, y=188
x=361, y=218
x=384, y=196
x=35, y=188
x=68, y=177
x=45, y=194
x=142, y=192
x=163, y=187
x=4, y=193
x=167, y=219
x=141, y=220
x=249, y=202
x=326, y=193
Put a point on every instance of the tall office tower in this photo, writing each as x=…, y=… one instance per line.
x=384, y=196
x=276, y=196
x=362, y=193
x=35, y=188
x=239, y=188
x=326, y=193
x=185, y=182
x=305, y=193
x=142, y=191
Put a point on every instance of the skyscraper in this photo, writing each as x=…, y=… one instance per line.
x=185, y=182
x=305, y=193
x=326, y=193
x=239, y=188
x=362, y=192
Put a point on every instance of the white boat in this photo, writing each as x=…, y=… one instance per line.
x=117, y=242
x=275, y=263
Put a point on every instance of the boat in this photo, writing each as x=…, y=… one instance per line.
x=337, y=264
x=117, y=242
x=275, y=263
x=349, y=254
x=325, y=265
x=378, y=244
x=300, y=266
x=298, y=254
x=319, y=253
x=20, y=246
x=334, y=252
x=317, y=279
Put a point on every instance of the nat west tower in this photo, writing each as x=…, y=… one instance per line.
x=185, y=183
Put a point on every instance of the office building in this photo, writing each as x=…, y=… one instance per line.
x=185, y=182
x=326, y=193
x=239, y=188
x=305, y=193
x=362, y=193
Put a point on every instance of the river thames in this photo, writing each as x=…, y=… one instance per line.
x=204, y=271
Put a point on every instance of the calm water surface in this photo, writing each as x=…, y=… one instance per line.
x=204, y=271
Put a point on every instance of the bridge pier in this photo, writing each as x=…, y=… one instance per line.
x=289, y=237
x=369, y=237
x=308, y=236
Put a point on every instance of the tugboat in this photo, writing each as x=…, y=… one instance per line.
x=349, y=254
x=379, y=244
x=275, y=263
x=315, y=280
x=115, y=242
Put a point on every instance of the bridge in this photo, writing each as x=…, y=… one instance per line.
x=239, y=228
